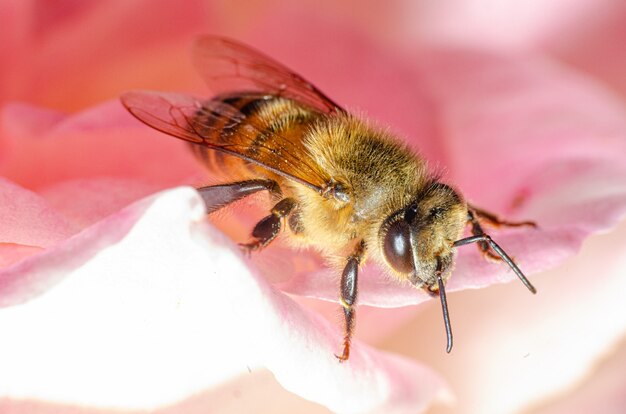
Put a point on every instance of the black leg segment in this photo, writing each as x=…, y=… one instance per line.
x=268, y=228
x=476, y=215
x=477, y=230
x=349, y=291
x=218, y=196
x=484, y=238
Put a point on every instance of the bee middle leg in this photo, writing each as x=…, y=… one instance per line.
x=476, y=215
x=349, y=278
x=268, y=228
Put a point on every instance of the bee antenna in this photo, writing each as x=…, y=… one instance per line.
x=446, y=315
x=501, y=253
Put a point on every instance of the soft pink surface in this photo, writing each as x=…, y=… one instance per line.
x=141, y=305
x=71, y=54
x=170, y=288
x=514, y=354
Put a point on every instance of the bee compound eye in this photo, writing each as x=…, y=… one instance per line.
x=397, y=247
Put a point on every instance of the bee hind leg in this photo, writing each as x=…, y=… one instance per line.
x=268, y=228
x=349, y=278
x=221, y=195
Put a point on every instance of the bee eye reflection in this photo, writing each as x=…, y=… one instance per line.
x=397, y=247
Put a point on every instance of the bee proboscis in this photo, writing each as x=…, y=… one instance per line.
x=342, y=185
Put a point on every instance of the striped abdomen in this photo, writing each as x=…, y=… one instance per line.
x=247, y=122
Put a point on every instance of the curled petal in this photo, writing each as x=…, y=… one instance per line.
x=155, y=289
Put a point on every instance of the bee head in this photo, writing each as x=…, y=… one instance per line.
x=417, y=241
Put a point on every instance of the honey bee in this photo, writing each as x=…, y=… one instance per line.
x=341, y=185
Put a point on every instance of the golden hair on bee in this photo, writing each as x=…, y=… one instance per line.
x=341, y=185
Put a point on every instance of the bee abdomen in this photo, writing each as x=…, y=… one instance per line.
x=250, y=122
x=222, y=126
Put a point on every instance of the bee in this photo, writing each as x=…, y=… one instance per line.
x=341, y=185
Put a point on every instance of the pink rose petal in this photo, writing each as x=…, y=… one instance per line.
x=74, y=55
x=498, y=112
x=35, y=275
x=603, y=393
x=87, y=201
x=518, y=353
x=586, y=34
x=505, y=25
x=13, y=252
x=591, y=41
x=27, y=219
x=169, y=309
x=101, y=141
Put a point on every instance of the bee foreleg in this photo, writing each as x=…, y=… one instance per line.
x=477, y=230
x=476, y=215
x=505, y=257
x=268, y=228
x=218, y=196
x=490, y=248
x=349, y=290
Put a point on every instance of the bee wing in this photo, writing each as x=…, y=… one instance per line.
x=227, y=65
x=202, y=121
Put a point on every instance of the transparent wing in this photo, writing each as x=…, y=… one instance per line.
x=227, y=65
x=207, y=123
